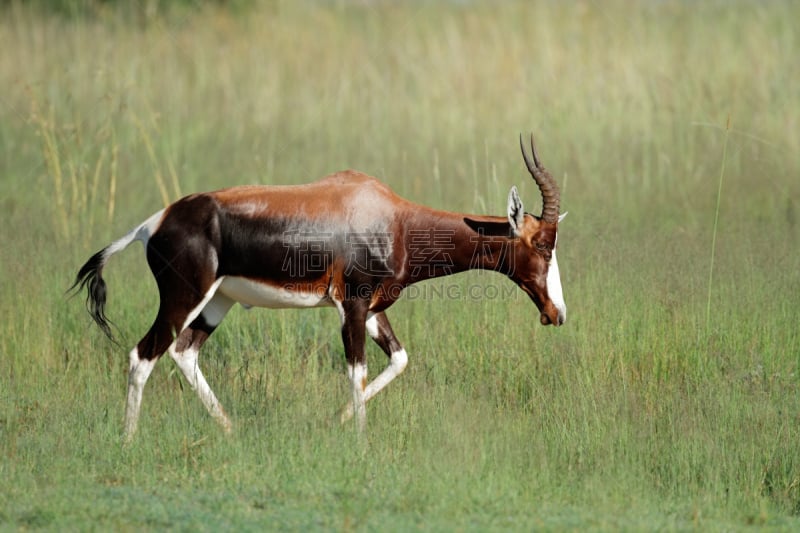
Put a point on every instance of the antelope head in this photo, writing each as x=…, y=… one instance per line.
x=534, y=267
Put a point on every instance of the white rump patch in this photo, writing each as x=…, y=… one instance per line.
x=256, y=294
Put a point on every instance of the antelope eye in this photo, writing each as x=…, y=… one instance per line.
x=542, y=247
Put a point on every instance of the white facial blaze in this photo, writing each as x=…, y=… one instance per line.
x=554, y=287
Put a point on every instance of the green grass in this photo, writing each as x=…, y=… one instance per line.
x=663, y=403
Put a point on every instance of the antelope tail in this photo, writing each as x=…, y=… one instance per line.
x=90, y=276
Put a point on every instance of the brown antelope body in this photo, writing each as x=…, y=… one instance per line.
x=345, y=241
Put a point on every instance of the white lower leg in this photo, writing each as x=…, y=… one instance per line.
x=358, y=379
x=397, y=364
x=139, y=371
x=187, y=362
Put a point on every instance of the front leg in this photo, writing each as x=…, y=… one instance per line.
x=378, y=327
x=354, y=314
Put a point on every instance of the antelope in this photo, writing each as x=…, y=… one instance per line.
x=345, y=241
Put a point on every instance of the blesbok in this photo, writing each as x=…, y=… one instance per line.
x=345, y=241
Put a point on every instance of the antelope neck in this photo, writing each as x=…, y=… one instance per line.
x=441, y=243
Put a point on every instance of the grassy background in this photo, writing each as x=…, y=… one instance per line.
x=664, y=403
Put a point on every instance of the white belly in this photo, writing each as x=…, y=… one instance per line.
x=256, y=294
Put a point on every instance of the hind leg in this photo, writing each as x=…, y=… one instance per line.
x=174, y=315
x=138, y=372
x=184, y=351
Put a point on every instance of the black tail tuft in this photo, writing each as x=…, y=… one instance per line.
x=90, y=277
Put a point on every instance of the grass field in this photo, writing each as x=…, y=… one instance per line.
x=670, y=398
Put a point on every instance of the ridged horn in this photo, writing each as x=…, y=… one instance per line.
x=547, y=185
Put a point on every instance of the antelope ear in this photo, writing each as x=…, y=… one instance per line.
x=516, y=214
x=562, y=216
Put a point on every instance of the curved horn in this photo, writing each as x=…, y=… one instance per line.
x=547, y=185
